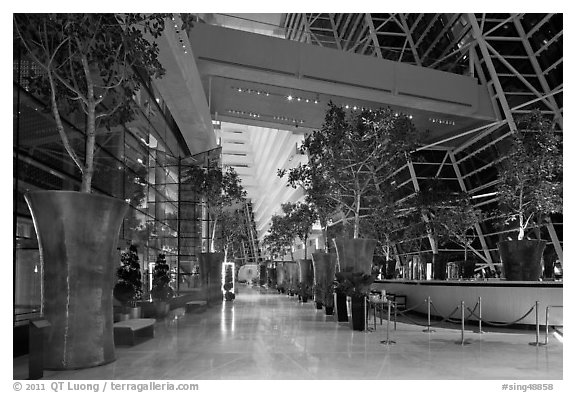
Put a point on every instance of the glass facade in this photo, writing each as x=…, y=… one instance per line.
x=138, y=162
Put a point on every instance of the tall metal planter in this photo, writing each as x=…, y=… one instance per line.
x=211, y=276
x=280, y=277
x=77, y=237
x=305, y=278
x=291, y=276
x=355, y=253
x=522, y=259
x=324, y=270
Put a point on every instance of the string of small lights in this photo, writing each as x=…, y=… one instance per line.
x=260, y=115
x=301, y=99
x=179, y=35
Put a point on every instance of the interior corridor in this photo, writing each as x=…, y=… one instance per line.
x=265, y=335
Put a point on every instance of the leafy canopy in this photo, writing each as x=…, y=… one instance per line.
x=531, y=174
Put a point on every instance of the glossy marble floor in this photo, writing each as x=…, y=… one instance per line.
x=265, y=335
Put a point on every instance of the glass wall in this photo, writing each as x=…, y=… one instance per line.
x=137, y=162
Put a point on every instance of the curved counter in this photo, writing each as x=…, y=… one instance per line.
x=502, y=301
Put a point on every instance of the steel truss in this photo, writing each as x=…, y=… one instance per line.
x=518, y=57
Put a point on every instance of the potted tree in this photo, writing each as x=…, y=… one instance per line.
x=354, y=154
x=301, y=217
x=316, y=188
x=220, y=190
x=91, y=65
x=276, y=251
x=357, y=286
x=442, y=214
x=279, y=239
x=530, y=189
x=128, y=289
x=161, y=291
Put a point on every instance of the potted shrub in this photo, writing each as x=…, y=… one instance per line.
x=357, y=286
x=87, y=68
x=530, y=189
x=128, y=289
x=161, y=291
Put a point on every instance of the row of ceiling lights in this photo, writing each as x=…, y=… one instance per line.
x=178, y=33
x=265, y=93
x=442, y=121
x=290, y=97
x=259, y=115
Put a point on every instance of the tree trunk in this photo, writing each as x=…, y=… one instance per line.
x=357, y=217
x=212, y=243
x=90, y=144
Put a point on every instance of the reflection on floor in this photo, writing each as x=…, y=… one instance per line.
x=265, y=335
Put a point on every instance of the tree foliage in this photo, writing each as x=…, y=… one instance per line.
x=92, y=64
x=530, y=177
x=300, y=217
x=278, y=240
x=234, y=232
x=351, y=157
x=220, y=189
x=128, y=289
x=161, y=289
x=442, y=214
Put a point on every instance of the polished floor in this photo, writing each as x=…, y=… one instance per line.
x=264, y=335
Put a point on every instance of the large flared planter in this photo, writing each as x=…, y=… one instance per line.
x=341, y=308
x=355, y=254
x=161, y=308
x=522, y=259
x=358, y=313
x=324, y=270
x=305, y=277
x=280, y=276
x=292, y=272
x=439, y=267
x=390, y=269
x=77, y=237
x=271, y=277
x=211, y=276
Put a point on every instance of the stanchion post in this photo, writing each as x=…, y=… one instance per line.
x=547, y=315
x=388, y=341
x=462, y=318
x=428, y=330
x=395, y=314
x=462, y=309
x=480, y=315
x=537, y=342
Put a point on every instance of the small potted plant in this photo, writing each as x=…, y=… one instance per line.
x=228, y=295
x=161, y=291
x=128, y=289
x=530, y=189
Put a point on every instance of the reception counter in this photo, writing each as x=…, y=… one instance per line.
x=502, y=301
